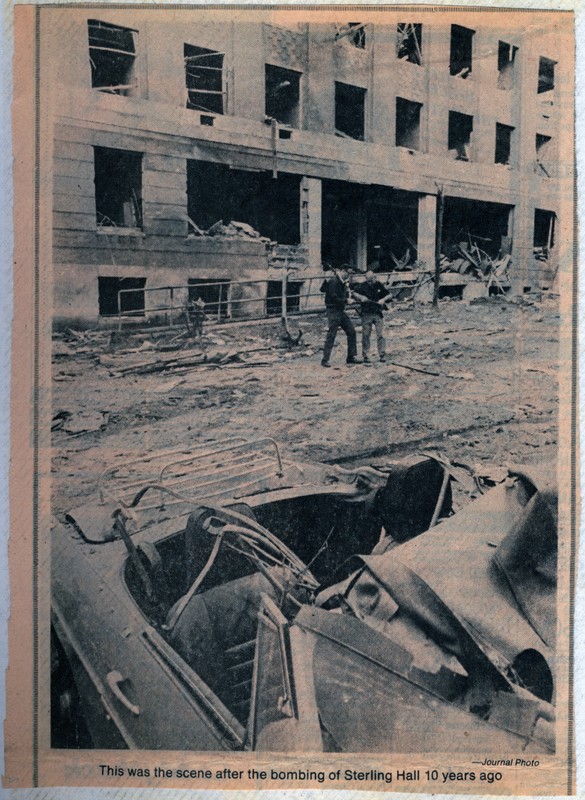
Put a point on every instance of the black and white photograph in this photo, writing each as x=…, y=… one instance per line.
x=303, y=443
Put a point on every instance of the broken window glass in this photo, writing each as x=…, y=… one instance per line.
x=408, y=123
x=506, y=60
x=112, y=54
x=461, y=58
x=544, y=233
x=353, y=32
x=350, y=111
x=542, y=153
x=282, y=95
x=121, y=296
x=357, y=35
x=503, y=143
x=409, y=42
x=546, y=75
x=118, y=188
x=272, y=688
x=216, y=192
x=204, y=79
x=460, y=130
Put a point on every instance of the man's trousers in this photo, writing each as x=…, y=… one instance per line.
x=339, y=319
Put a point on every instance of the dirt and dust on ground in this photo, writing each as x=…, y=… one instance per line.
x=477, y=382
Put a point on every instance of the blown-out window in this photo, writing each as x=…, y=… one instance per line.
x=358, y=35
x=121, y=296
x=506, y=61
x=282, y=95
x=546, y=75
x=408, y=123
x=503, y=151
x=112, y=55
x=409, y=42
x=544, y=230
x=460, y=130
x=543, y=148
x=118, y=188
x=204, y=79
x=350, y=104
x=461, y=58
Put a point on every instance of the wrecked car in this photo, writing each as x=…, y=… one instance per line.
x=229, y=599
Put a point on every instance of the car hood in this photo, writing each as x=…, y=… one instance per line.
x=491, y=567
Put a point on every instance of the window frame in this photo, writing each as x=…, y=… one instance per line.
x=122, y=89
x=104, y=195
x=219, y=94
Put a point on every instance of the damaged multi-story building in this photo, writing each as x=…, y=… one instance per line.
x=195, y=150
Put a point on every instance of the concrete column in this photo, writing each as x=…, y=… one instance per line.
x=361, y=239
x=311, y=220
x=522, y=246
x=427, y=229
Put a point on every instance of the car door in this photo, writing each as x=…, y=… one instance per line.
x=128, y=677
x=283, y=710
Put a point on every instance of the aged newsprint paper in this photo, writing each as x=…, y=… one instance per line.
x=294, y=466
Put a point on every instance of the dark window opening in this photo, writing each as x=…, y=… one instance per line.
x=204, y=79
x=543, y=153
x=340, y=221
x=386, y=218
x=460, y=130
x=118, y=188
x=503, y=143
x=392, y=229
x=409, y=42
x=408, y=123
x=270, y=206
x=452, y=292
x=274, y=297
x=544, y=231
x=475, y=222
x=546, y=75
x=506, y=59
x=461, y=58
x=350, y=102
x=282, y=95
x=357, y=35
x=112, y=55
x=214, y=294
x=121, y=296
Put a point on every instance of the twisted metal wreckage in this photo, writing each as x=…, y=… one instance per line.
x=229, y=598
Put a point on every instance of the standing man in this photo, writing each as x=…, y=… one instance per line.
x=371, y=295
x=336, y=291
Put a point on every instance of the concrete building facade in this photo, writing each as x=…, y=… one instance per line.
x=332, y=140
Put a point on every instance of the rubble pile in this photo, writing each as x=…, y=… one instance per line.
x=73, y=342
x=139, y=353
x=233, y=230
x=469, y=259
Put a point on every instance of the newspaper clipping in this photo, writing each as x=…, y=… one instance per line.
x=294, y=455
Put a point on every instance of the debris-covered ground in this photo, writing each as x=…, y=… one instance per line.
x=476, y=381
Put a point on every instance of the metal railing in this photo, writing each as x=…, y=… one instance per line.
x=229, y=307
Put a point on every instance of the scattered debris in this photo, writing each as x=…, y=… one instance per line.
x=195, y=316
x=464, y=376
x=240, y=230
x=80, y=421
x=290, y=332
x=467, y=258
x=165, y=388
x=61, y=350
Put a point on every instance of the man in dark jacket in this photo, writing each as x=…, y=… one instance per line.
x=371, y=295
x=336, y=291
